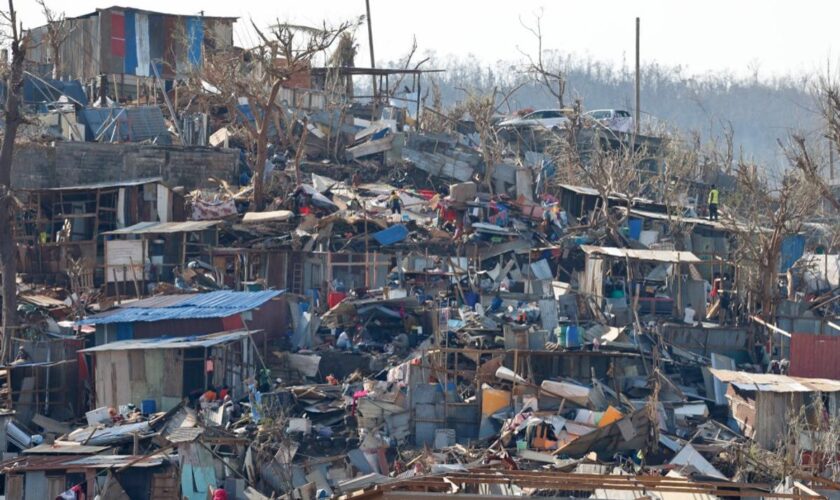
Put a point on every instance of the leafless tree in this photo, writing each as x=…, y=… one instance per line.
x=257, y=75
x=762, y=215
x=13, y=118
x=58, y=29
x=407, y=64
x=553, y=78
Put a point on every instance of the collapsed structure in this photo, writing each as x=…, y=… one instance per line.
x=409, y=315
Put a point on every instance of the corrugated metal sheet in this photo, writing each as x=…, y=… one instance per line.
x=220, y=304
x=165, y=227
x=137, y=124
x=667, y=256
x=815, y=356
x=53, y=462
x=173, y=343
x=768, y=382
x=105, y=185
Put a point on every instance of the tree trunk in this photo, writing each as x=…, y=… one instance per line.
x=8, y=268
x=56, y=72
x=8, y=251
x=768, y=278
x=262, y=147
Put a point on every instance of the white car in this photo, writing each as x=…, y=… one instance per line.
x=614, y=119
x=550, y=119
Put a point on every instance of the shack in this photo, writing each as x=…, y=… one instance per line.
x=709, y=240
x=149, y=252
x=193, y=314
x=166, y=370
x=764, y=404
x=63, y=224
x=652, y=279
x=32, y=477
x=47, y=383
x=131, y=46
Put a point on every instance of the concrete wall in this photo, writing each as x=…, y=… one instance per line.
x=73, y=163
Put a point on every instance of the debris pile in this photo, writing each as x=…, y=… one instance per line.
x=383, y=308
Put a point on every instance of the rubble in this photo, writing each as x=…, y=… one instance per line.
x=405, y=311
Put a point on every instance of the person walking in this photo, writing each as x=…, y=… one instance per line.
x=714, y=198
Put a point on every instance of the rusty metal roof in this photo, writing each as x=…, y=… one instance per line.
x=64, y=449
x=62, y=462
x=769, y=382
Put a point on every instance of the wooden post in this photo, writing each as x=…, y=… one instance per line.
x=206, y=375
x=372, y=59
x=367, y=244
x=116, y=284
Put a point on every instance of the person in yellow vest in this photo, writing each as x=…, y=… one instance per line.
x=714, y=197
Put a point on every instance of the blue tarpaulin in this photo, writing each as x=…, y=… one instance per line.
x=46, y=90
x=393, y=234
x=195, y=35
x=792, y=249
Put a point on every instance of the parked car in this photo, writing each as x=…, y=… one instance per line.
x=550, y=119
x=614, y=119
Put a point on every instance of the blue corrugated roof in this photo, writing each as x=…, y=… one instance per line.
x=218, y=304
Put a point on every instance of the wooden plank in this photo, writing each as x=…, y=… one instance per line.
x=14, y=486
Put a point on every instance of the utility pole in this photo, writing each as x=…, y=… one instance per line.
x=370, y=42
x=638, y=80
x=828, y=125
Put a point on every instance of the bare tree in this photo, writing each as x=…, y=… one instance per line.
x=767, y=214
x=553, y=78
x=13, y=73
x=58, y=29
x=257, y=75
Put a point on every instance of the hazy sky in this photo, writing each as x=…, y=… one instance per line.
x=777, y=37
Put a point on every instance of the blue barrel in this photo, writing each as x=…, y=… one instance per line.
x=148, y=406
x=573, y=336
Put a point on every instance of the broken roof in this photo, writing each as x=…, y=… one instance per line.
x=165, y=227
x=104, y=185
x=210, y=340
x=59, y=462
x=768, y=382
x=218, y=304
x=667, y=256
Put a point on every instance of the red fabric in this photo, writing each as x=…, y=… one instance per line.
x=449, y=215
x=334, y=298
x=220, y=494
x=117, y=35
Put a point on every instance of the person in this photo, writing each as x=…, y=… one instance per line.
x=714, y=198
x=224, y=392
x=395, y=202
x=688, y=318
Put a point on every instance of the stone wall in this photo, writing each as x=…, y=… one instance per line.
x=73, y=163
